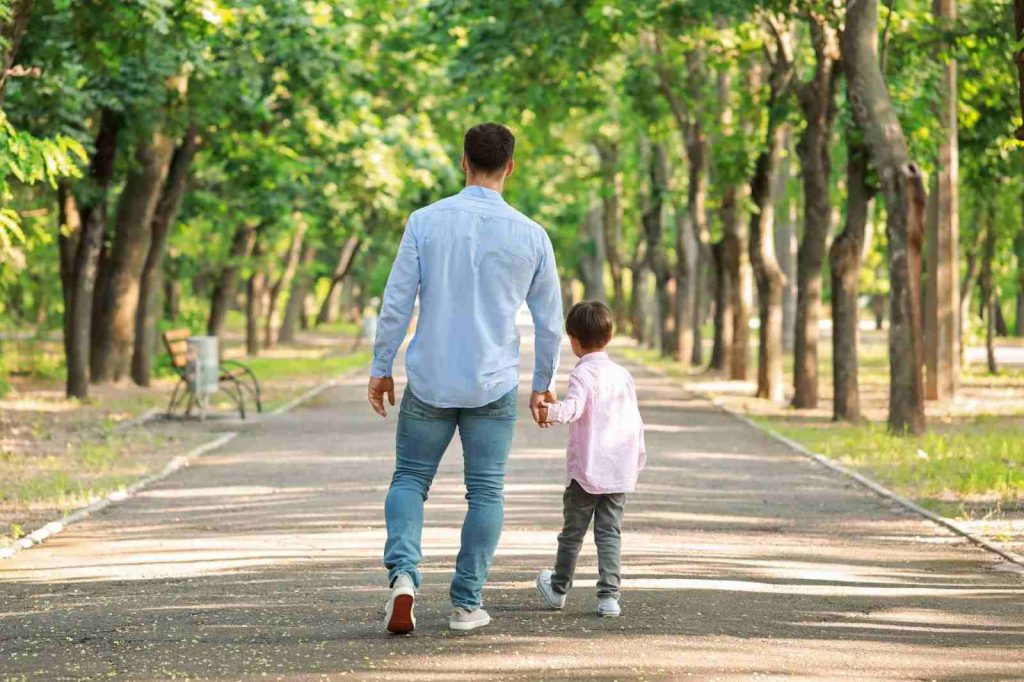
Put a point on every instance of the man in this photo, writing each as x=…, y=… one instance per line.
x=474, y=260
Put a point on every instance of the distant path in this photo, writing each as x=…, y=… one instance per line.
x=741, y=557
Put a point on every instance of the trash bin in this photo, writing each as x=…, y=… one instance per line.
x=203, y=370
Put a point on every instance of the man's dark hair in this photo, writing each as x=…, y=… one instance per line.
x=590, y=323
x=488, y=147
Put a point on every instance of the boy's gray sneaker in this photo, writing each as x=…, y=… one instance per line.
x=464, y=619
x=398, y=614
x=552, y=599
x=609, y=607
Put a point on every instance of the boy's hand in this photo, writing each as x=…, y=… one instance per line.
x=538, y=399
x=542, y=411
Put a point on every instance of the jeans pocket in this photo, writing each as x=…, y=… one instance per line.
x=414, y=407
x=502, y=408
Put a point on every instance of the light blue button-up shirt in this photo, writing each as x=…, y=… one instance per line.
x=474, y=260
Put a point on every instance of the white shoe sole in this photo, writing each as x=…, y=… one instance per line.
x=609, y=614
x=462, y=626
x=547, y=600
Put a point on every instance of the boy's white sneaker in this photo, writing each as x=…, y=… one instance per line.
x=551, y=599
x=464, y=619
x=609, y=607
x=398, y=614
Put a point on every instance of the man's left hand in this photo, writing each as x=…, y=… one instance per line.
x=537, y=399
x=375, y=393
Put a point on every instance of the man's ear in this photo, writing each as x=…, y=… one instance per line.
x=510, y=167
x=465, y=165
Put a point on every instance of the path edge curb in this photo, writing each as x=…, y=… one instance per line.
x=47, y=531
x=869, y=483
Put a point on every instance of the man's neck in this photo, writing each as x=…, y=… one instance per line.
x=496, y=184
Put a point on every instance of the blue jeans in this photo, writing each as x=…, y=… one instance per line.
x=424, y=432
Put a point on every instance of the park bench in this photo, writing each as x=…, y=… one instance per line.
x=234, y=378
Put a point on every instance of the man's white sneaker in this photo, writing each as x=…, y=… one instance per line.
x=464, y=619
x=551, y=599
x=609, y=607
x=398, y=614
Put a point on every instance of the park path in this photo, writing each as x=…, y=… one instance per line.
x=741, y=558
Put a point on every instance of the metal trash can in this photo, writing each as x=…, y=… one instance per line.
x=203, y=369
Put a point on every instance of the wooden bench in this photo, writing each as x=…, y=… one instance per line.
x=235, y=378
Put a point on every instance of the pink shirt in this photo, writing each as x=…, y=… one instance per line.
x=606, y=434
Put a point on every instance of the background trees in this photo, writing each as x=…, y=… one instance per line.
x=167, y=164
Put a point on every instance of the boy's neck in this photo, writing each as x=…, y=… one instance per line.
x=584, y=352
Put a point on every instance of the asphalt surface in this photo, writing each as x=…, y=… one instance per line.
x=741, y=559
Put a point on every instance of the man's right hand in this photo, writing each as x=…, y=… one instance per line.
x=375, y=393
x=538, y=400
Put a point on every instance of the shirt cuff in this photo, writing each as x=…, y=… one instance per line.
x=542, y=383
x=379, y=368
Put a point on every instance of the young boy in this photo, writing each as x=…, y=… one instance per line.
x=605, y=454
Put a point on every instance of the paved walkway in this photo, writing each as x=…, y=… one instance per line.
x=741, y=558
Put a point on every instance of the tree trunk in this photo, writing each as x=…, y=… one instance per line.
x=818, y=102
x=80, y=250
x=12, y=31
x=255, y=294
x=638, y=279
x=1018, y=57
x=293, y=310
x=942, y=355
x=347, y=256
x=242, y=243
x=657, y=260
x=723, y=309
x=696, y=152
x=989, y=295
x=151, y=282
x=904, y=200
x=118, y=301
x=685, y=293
x=283, y=283
x=844, y=262
x=591, y=254
x=786, y=245
x=611, y=215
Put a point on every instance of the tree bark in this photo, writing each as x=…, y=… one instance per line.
x=657, y=260
x=723, y=330
x=1018, y=247
x=786, y=246
x=844, y=262
x=942, y=355
x=611, y=215
x=283, y=283
x=591, y=254
x=254, y=297
x=988, y=294
x=346, y=257
x=80, y=250
x=242, y=243
x=1018, y=58
x=293, y=310
x=12, y=31
x=685, y=292
x=151, y=281
x=767, y=274
x=818, y=102
x=904, y=199
x=118, y=301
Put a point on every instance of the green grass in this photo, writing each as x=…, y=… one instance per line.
x=271, y=369
x=979, y=459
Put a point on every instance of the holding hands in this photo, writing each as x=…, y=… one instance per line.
x=539, y=401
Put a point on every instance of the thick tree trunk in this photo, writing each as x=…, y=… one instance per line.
x=696, y=152
x=283, y=283
x=942, y=355
x=611, y=215
x=242, y=243
x=844, y=262
x=723, y=309
x=786, y=246
x=293, y=310
x=80, y=250
x=818, y=102
x=685, y=291
x=346, y=257
x=118, y=301
x=151, y=281
x=657, y=260
x=591, y=254
x=904, y=200
x=1018, y=58
x=12, y=31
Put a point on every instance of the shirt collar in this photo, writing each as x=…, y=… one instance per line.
x=595, y=356
x=478, y=192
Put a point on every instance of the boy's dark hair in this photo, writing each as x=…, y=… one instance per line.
x=488, y=147
x=590, y=323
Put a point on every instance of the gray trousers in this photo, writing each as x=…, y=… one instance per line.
x=578, y=508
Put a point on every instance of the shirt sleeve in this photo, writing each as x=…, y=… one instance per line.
x=396, y=309
x=572, y=406
x=545, y=303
